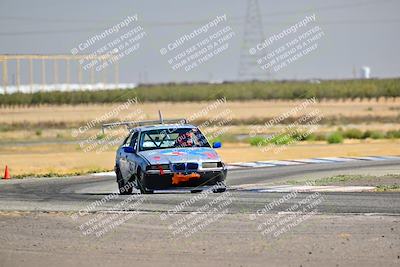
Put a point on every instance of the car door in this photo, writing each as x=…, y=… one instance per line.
x=132, y=158
x=123, y=162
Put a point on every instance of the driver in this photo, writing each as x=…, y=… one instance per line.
x=185, y=140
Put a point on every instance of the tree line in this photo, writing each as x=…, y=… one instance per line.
x=285, y=90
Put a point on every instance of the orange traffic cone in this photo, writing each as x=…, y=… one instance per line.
x=7, y=174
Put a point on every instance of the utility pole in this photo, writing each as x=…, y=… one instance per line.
x=68, y=74
x=31, y=72
x=5, y=76
x=55, y=65
x=43, y=73
x=18, y=76
x=116, y=75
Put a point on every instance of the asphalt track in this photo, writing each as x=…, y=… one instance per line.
x=76, y=193
x=38, y=227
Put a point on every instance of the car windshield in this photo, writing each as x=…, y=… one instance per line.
x=172, y=138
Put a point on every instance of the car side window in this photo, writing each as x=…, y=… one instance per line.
x=127, y=141
x=134, y=140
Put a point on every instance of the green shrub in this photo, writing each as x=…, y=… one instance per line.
x=5, y=128
x=39, y=132
x=367, y=134
x=311, y=137
x=335, y=138
x=377, y=135
x=393, y=134
x=257, y=141
x=299, y=136
x=353, y=134
x=316, y=137
x=281, y=139
x=100, y=136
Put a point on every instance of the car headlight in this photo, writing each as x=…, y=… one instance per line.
x=157, y=167
x=209, y=165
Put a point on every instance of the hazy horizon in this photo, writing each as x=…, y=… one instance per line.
x=356, y=34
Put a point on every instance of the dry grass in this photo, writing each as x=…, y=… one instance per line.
x=55, y=158
x=241, y=110
x=64, y=158
x=61, y=135
x=69, y=158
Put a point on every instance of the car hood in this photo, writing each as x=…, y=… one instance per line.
x=173, y=155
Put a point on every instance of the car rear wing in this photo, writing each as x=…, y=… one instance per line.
x=132, y=124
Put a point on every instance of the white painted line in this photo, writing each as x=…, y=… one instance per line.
x=236, y=163
x=253, y=165
x=338, y=159
x=249, y=186
x=388, y=157
x=265, y=164
x=111, y=174
x=306, y=188
x=369, y=158
x=232, y=167
x=312, y=161
x=281, y=162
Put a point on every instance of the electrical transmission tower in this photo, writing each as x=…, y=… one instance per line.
x=252, y=35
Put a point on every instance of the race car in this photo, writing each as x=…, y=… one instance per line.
x=167, y=154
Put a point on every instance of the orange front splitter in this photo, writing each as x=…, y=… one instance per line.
x=179, y=177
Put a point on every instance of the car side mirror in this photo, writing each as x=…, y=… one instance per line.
x=129, y=149
x=217, y=144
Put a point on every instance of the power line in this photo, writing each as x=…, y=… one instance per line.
x=267, y=23
x=78, y=20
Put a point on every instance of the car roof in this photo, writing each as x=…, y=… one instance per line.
x=162, y=126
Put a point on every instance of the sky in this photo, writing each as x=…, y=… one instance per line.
x=354, y=34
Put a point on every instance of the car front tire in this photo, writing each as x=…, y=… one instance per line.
x=141, y=183
x=121, y=184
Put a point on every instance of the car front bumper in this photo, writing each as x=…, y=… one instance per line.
x=153, y=180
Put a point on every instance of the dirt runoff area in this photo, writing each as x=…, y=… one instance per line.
x=53, y=239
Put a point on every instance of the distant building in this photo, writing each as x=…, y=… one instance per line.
x=365, y=72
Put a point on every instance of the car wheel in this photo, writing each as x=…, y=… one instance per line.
x=140, y=181
x=121, y=184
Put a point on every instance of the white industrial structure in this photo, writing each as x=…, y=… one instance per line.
x=95, y=82
x=365, y=72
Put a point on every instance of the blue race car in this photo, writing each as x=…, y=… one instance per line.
x=167, y=155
